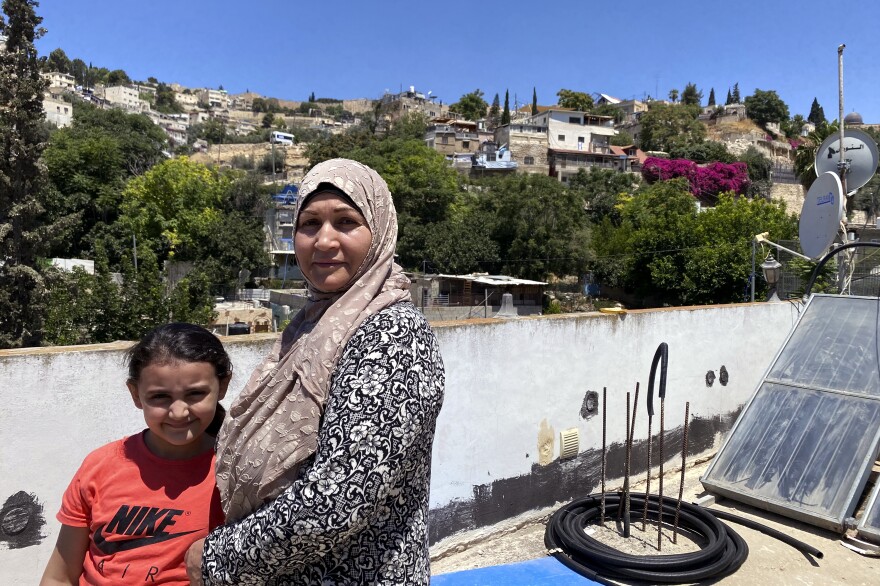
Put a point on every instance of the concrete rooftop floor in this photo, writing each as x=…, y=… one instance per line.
x=769, y=562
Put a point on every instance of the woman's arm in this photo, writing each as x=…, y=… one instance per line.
x=66, y=563
x=386, y=392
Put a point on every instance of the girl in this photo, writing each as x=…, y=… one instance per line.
x=135, y=505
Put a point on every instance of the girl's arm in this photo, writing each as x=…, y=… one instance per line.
x=66, y=563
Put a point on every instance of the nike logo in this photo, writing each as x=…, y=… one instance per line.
x=111, y=547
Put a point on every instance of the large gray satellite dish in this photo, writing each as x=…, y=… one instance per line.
x=859, y=149
x=821, y=215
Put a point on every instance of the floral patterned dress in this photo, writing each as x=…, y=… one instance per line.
x=357, y=513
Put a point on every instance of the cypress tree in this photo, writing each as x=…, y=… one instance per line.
x=729, y=98
x=817, y=114
x=735, y=96
x=23, y=232
x=505, y=115
x=712, y=97
x=495, y=111
x=534, y=101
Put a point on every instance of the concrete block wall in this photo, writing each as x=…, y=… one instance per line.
x=512, y=386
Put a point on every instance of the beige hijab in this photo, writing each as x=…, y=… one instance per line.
x=272, y=426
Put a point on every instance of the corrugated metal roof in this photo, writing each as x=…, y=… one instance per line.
x=494, y=280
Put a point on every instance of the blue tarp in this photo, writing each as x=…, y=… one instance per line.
x=531, y=573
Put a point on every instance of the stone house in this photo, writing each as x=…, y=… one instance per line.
x=527, y=144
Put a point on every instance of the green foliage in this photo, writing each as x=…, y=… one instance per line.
x=470, y=106
x=665, y=127
x=505, y=115
x=495, y=112
x=711, y=101
x=118, y=77
x=411, y=126
x=622, y=139
x=540, y=225
x=805, y=154
x=817, y=114
x=57, y=61
x=673, y=95
x=691, y=96
x=165, y=100
x=701, y=152
x=88, y=164
x=534, y=101
x=735, y=95
x=766, y=106
x=25, y=229
x=272, y=163
x=667, y=253
x=758, y=164
x=462, y=245
x=580, y=101
x=603, y=190
x=792, y=128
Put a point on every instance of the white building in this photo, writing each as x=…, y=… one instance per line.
x=186, y=100
x=214, y=98
x=576, y=140
x=122, y=96
x=64, y=81
x=57, y=112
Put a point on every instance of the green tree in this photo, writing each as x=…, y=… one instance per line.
x=701, y=152
x=505, y=115
x=215, y=131
x=471, y=106
x=579, y=101
x=78, y=71
x=711, y=97
x=805, y=153
x=24, y=231
x=793, y=128
x=268, y=120
x=534, y=101
x=312, y=97
x=817, y=114
x=691, y=95
x=673, y=95
x=118, y=77
x=766, y=106
x=540, y=225
x=462, y=245
x=729, y=99
x=603, y=190
x=735, y=95
x=495, y=112
x=166, y=101
x=58, y=61
x=622, y=138
x=665, y=126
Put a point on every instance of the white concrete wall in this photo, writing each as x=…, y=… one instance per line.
x=505, y=380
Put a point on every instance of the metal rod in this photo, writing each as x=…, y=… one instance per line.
x=604, y=427
x=625, y=502
x=648, y=483
x=660, y=491
x=684, y=452
x=620, y=504
x=842, y=162
x=629, y=445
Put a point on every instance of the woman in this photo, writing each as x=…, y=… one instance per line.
x=323, y=463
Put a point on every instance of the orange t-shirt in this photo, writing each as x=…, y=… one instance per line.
x=142, y=512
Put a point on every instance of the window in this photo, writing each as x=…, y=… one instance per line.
x=444, y=140
x=565, y=178
x=574, y=120
x=561, y=138
x=529, y=160
x=581, y=139
x=466, y=144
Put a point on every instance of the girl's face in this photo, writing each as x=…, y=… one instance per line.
x=179, y=400
x=331, y=242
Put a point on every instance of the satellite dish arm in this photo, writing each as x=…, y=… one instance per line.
x=828, y=257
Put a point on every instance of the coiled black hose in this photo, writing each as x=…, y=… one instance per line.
x=724, y=552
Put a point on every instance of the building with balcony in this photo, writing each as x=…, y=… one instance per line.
x=127, y=98
x=395, y=106
x=214, y=98
x=62, y=81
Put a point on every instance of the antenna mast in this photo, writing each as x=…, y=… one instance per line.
x=841, y=165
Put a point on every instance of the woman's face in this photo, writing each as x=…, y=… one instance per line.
x=331, y=241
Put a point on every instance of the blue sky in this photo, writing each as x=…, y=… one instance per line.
x=360, y=48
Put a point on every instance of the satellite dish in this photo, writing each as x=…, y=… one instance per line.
x=859, y=149
x=821, y=215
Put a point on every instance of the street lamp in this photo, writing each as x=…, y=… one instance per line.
x=771, y=268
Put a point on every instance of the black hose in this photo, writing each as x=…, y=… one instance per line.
x=724, y=552
x=661, y=353
x=783, y=537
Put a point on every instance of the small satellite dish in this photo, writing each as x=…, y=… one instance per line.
x=821, y=215
x=859, y=149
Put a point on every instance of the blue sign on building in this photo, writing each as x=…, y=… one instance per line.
x=288, y=195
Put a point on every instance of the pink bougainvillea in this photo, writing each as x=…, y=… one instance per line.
x=707, y=182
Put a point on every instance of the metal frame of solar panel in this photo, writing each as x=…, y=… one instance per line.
x=869, y=524
x=805, y=442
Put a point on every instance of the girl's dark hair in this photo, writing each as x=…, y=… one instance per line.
x=180, y=342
